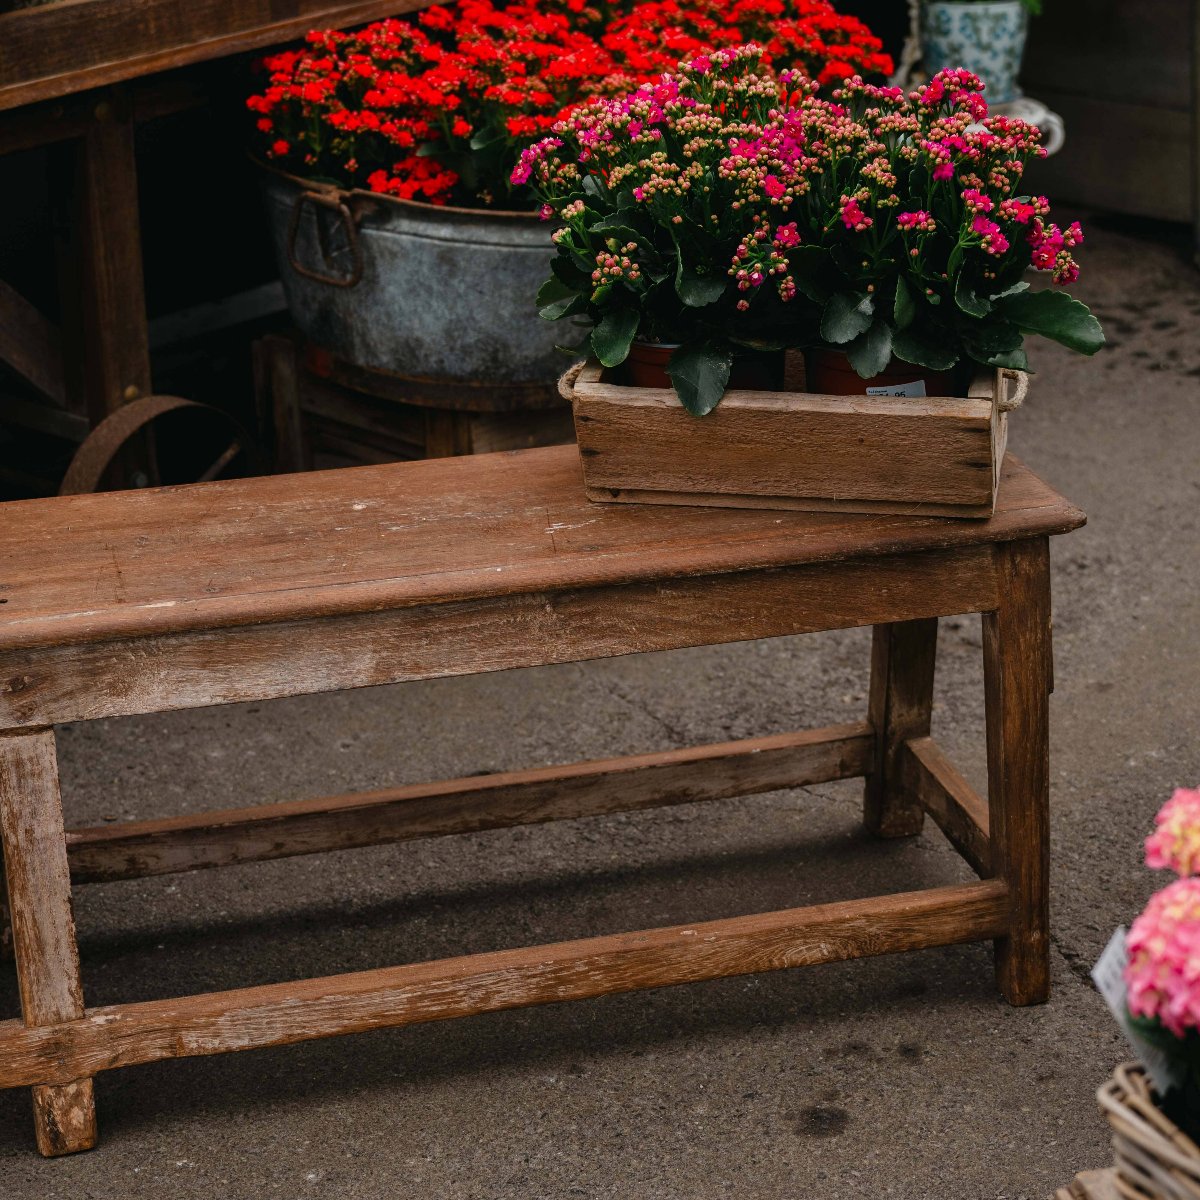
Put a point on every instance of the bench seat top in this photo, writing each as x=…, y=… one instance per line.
x=252, y=551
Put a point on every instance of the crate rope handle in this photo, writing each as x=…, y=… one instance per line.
x=566, y=381
x=1014, y=397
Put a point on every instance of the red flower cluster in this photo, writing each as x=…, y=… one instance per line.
x=439, y=107
x=808, y=36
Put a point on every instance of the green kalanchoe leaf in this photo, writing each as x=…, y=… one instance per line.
x=1057, y=316
x=568, y=306
x=846, y=316
x=613, y=335
x=556, y=298
x=969, y=301
x=992, y=336
x=700, y=374
x=698, y=290
x=615, y=224
x=574, y=276
x=1017, y=359
x=871, y=352
x=924, y=349
x=904, y=310
x=1015, y=290
x=813, y=270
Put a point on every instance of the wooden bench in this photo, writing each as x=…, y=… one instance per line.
x=143, y=602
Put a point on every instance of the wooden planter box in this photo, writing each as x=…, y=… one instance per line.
x=876, y=454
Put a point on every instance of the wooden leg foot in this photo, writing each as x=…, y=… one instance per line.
x=64, y=1118
x=1017, y=682
x=39, y=900
x=901, y=703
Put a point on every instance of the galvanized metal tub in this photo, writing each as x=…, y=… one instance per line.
x=418, y=290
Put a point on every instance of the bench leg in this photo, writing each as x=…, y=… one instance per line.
x=39, y=900
x=1017, y=665
x=901, y=703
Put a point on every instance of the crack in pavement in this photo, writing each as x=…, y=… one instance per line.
x=680, y=739
x=1073, y=959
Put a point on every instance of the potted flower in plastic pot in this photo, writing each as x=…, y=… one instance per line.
x=724, y=213
x=987, y=37
x=1154, y=1108
x=403, y=243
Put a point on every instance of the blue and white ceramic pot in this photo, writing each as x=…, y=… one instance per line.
x=985, y=36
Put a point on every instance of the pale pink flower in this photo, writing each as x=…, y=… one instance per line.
x=1175, y=843
x=1163, y=972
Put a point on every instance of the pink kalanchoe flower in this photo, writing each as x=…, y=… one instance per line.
x=993, y=241
x=976, y=201
x=944, y=170
x=1017, y=210
x=787, y=235
x=1175, y=843
x=919, y=220
x=1163, y=972
x=853, y=216
x=773, y=187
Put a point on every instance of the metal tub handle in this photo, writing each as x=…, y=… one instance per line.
x=334, y=203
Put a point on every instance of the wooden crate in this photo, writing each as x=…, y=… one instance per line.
x=939, y=456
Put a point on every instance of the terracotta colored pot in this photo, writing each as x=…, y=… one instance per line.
x=646, y=367
x=830, y=374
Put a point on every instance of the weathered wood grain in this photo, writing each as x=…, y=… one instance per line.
x=166, y=560
x=65, y=47
x=796, y=447
x=277, y=1014
x=159, y=674
x=961, y=814
x=107, y=315
x=898, y=508
x=715, y=772
x=900, y=705
x=39, y=901
x=30, y=344
x=1017, y=673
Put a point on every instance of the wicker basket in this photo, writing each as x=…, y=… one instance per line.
x=1154, y=1159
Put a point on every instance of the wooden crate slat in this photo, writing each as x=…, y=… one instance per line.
x=793, y=450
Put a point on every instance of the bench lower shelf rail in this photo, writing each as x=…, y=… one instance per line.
x=125, y=1035
x=134, y=849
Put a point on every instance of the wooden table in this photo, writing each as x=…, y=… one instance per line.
x=143, y=602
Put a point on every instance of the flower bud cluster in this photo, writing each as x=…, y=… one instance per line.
x=614, y=263
x=761, y=256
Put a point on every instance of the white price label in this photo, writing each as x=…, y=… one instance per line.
x=916, y=388
x=1109, y=977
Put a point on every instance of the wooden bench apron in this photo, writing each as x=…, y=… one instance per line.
x=144, y=602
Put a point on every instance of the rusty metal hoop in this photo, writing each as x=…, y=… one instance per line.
x=98, y=450
x=334, y=202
